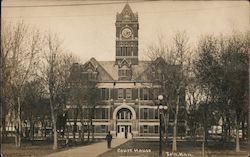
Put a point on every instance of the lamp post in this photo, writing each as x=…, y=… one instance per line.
x=161, y=107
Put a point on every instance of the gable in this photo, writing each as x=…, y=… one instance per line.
x=89, y=67
x=93, y=64
x=124, y=62
x=126, y=14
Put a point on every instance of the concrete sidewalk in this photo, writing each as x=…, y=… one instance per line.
x=92, y=150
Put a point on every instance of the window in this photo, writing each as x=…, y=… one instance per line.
x=129, y=51
x=156, y=92
x=128, y=93
x=120, y=93
x=156, y=114
x=103, y=113
x=145, y=129
x=103, y=94
x=145, y=94
x=156, y=129
x=145, y=113
x=124, y=114
x=103, y=128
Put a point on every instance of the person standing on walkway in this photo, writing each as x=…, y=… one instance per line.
x=109, y=139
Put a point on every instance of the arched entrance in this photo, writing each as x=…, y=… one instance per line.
x=124, y=115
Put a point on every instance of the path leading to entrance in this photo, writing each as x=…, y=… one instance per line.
x=92, y=150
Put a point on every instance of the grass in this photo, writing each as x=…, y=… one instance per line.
x=211, y=150
x=37, y=149
x=26, y=150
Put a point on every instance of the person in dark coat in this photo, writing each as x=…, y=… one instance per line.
x=109, y=139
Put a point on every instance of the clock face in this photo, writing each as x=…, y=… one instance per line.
x=126, y=32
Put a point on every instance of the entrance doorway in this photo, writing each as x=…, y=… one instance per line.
x=124, y=116
x=124, y=131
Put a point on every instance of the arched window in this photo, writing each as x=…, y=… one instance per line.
x=124, y=113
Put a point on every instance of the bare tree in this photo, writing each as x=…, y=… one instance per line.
x=181, y=58
x=177, y=58
x=222, y=68
x=20, y=48
x=55, y=72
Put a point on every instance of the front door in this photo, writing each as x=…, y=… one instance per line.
x=124, y=131
x=123, y=117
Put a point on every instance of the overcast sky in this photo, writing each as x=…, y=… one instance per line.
x=89, y=30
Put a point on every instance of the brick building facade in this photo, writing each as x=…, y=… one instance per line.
x=126, y=89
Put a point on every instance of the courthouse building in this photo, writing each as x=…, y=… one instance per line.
x=127, y=87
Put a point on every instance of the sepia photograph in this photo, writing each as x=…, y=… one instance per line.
x=118, y=78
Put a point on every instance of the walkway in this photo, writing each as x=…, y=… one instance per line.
x=92, y=150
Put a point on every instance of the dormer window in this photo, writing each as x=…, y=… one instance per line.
x=124, y=74
x=124, y=71
x=90, y=72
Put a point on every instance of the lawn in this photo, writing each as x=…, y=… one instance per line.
x=150, y=148
x=27, y=150
x=37, y=149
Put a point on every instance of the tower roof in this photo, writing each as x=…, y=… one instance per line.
x=127, y=14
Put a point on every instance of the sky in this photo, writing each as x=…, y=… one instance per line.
x=87, y=28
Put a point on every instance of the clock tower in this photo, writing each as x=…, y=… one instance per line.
x=127, y=36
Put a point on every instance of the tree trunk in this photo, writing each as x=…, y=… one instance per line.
x=75, y=125
x=91, y=123
x=55, y=146
x=32, y=131
x=3, y=126
x=18, y=144
x=174, y=145
x=92, y=129
x=249, y=114
x=205, y=125
x=45, y=125
x=249, y=125
x=192, y=134
x=223, y=136
x=166, y=127
x=229, y=132
x=74, y=132
x=83, y=133
x=88, y=131
x=237, y=140
x=243, y=128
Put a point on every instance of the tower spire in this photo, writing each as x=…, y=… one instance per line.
x=127, y=35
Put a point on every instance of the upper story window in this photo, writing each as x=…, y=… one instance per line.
x=128, y=93
x=156, y=129
x=156, y=114
x=145, y=93
x=90, y=72
x=120, y=93
x=156, y=92
x=145, y=129
x=124, y=74
x=124, y=71
x=104, y=93
x=124, y=114
x=145, y=113
x=103, y=113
